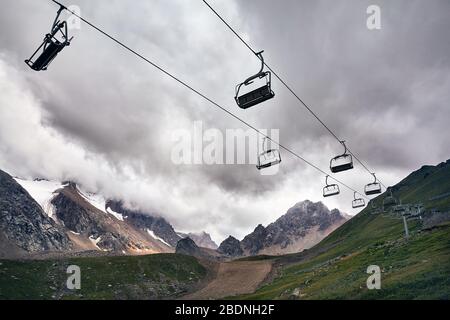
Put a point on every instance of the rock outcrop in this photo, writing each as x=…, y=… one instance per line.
x=142, y=220
x=303, y=226
x=231, y=247
x=23, y=223
x=202, y=239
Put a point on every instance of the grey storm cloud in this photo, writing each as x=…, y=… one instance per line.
x=105, y=118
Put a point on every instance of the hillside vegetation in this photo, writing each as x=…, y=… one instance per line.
x=135, y=277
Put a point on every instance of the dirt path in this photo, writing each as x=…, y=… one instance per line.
x=234, y=278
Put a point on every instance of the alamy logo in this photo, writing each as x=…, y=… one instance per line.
x=237, y=146
x=74, y=280
x=374, y=19
x=374, y=281
x=73, y=22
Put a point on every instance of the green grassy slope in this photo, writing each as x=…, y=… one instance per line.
x=143, y=277
x=336, y=268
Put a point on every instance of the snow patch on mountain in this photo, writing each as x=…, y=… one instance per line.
x=118, y=216
x=42, y=191
x=154, y=236
x=95, y=241
x=201, y=239
x=99, y=202
x=96, y=200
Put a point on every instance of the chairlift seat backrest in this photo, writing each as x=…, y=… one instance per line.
x=331, y=190
x=258, y=95
x=358, y=203
x=372, y=188
x=255, y=97
x=268, y=159
x=47, y=56
x=341, y=163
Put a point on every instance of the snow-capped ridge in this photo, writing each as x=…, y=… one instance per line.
x=42, y=191
x=154, y=236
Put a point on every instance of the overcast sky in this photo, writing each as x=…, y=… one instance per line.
x=102, y=117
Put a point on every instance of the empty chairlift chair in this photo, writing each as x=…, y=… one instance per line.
x=342, y=162
x=53, y=43
x=372, y=188
x=258, y=95
x=357, y=202
x=268, y=158
x=330, y=189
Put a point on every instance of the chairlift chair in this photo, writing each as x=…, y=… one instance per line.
x=51, y=46
x=342, y=162
x=258, y=95
x=358, y=202
x=330, y=189
x=373, y=188
x=268, y=158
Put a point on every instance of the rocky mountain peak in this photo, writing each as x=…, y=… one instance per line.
x=303, y=225
x=24, y=224
x=256, y=240
x=143, y=220
x=187, y=246
x=308, y=207
x=202, y=239
x=230, y=247
x=259, y=229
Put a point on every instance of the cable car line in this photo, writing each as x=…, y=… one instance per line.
x=204, y=96
x=289, y=88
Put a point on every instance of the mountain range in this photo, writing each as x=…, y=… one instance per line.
x=40, y=218
x=303, y=226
